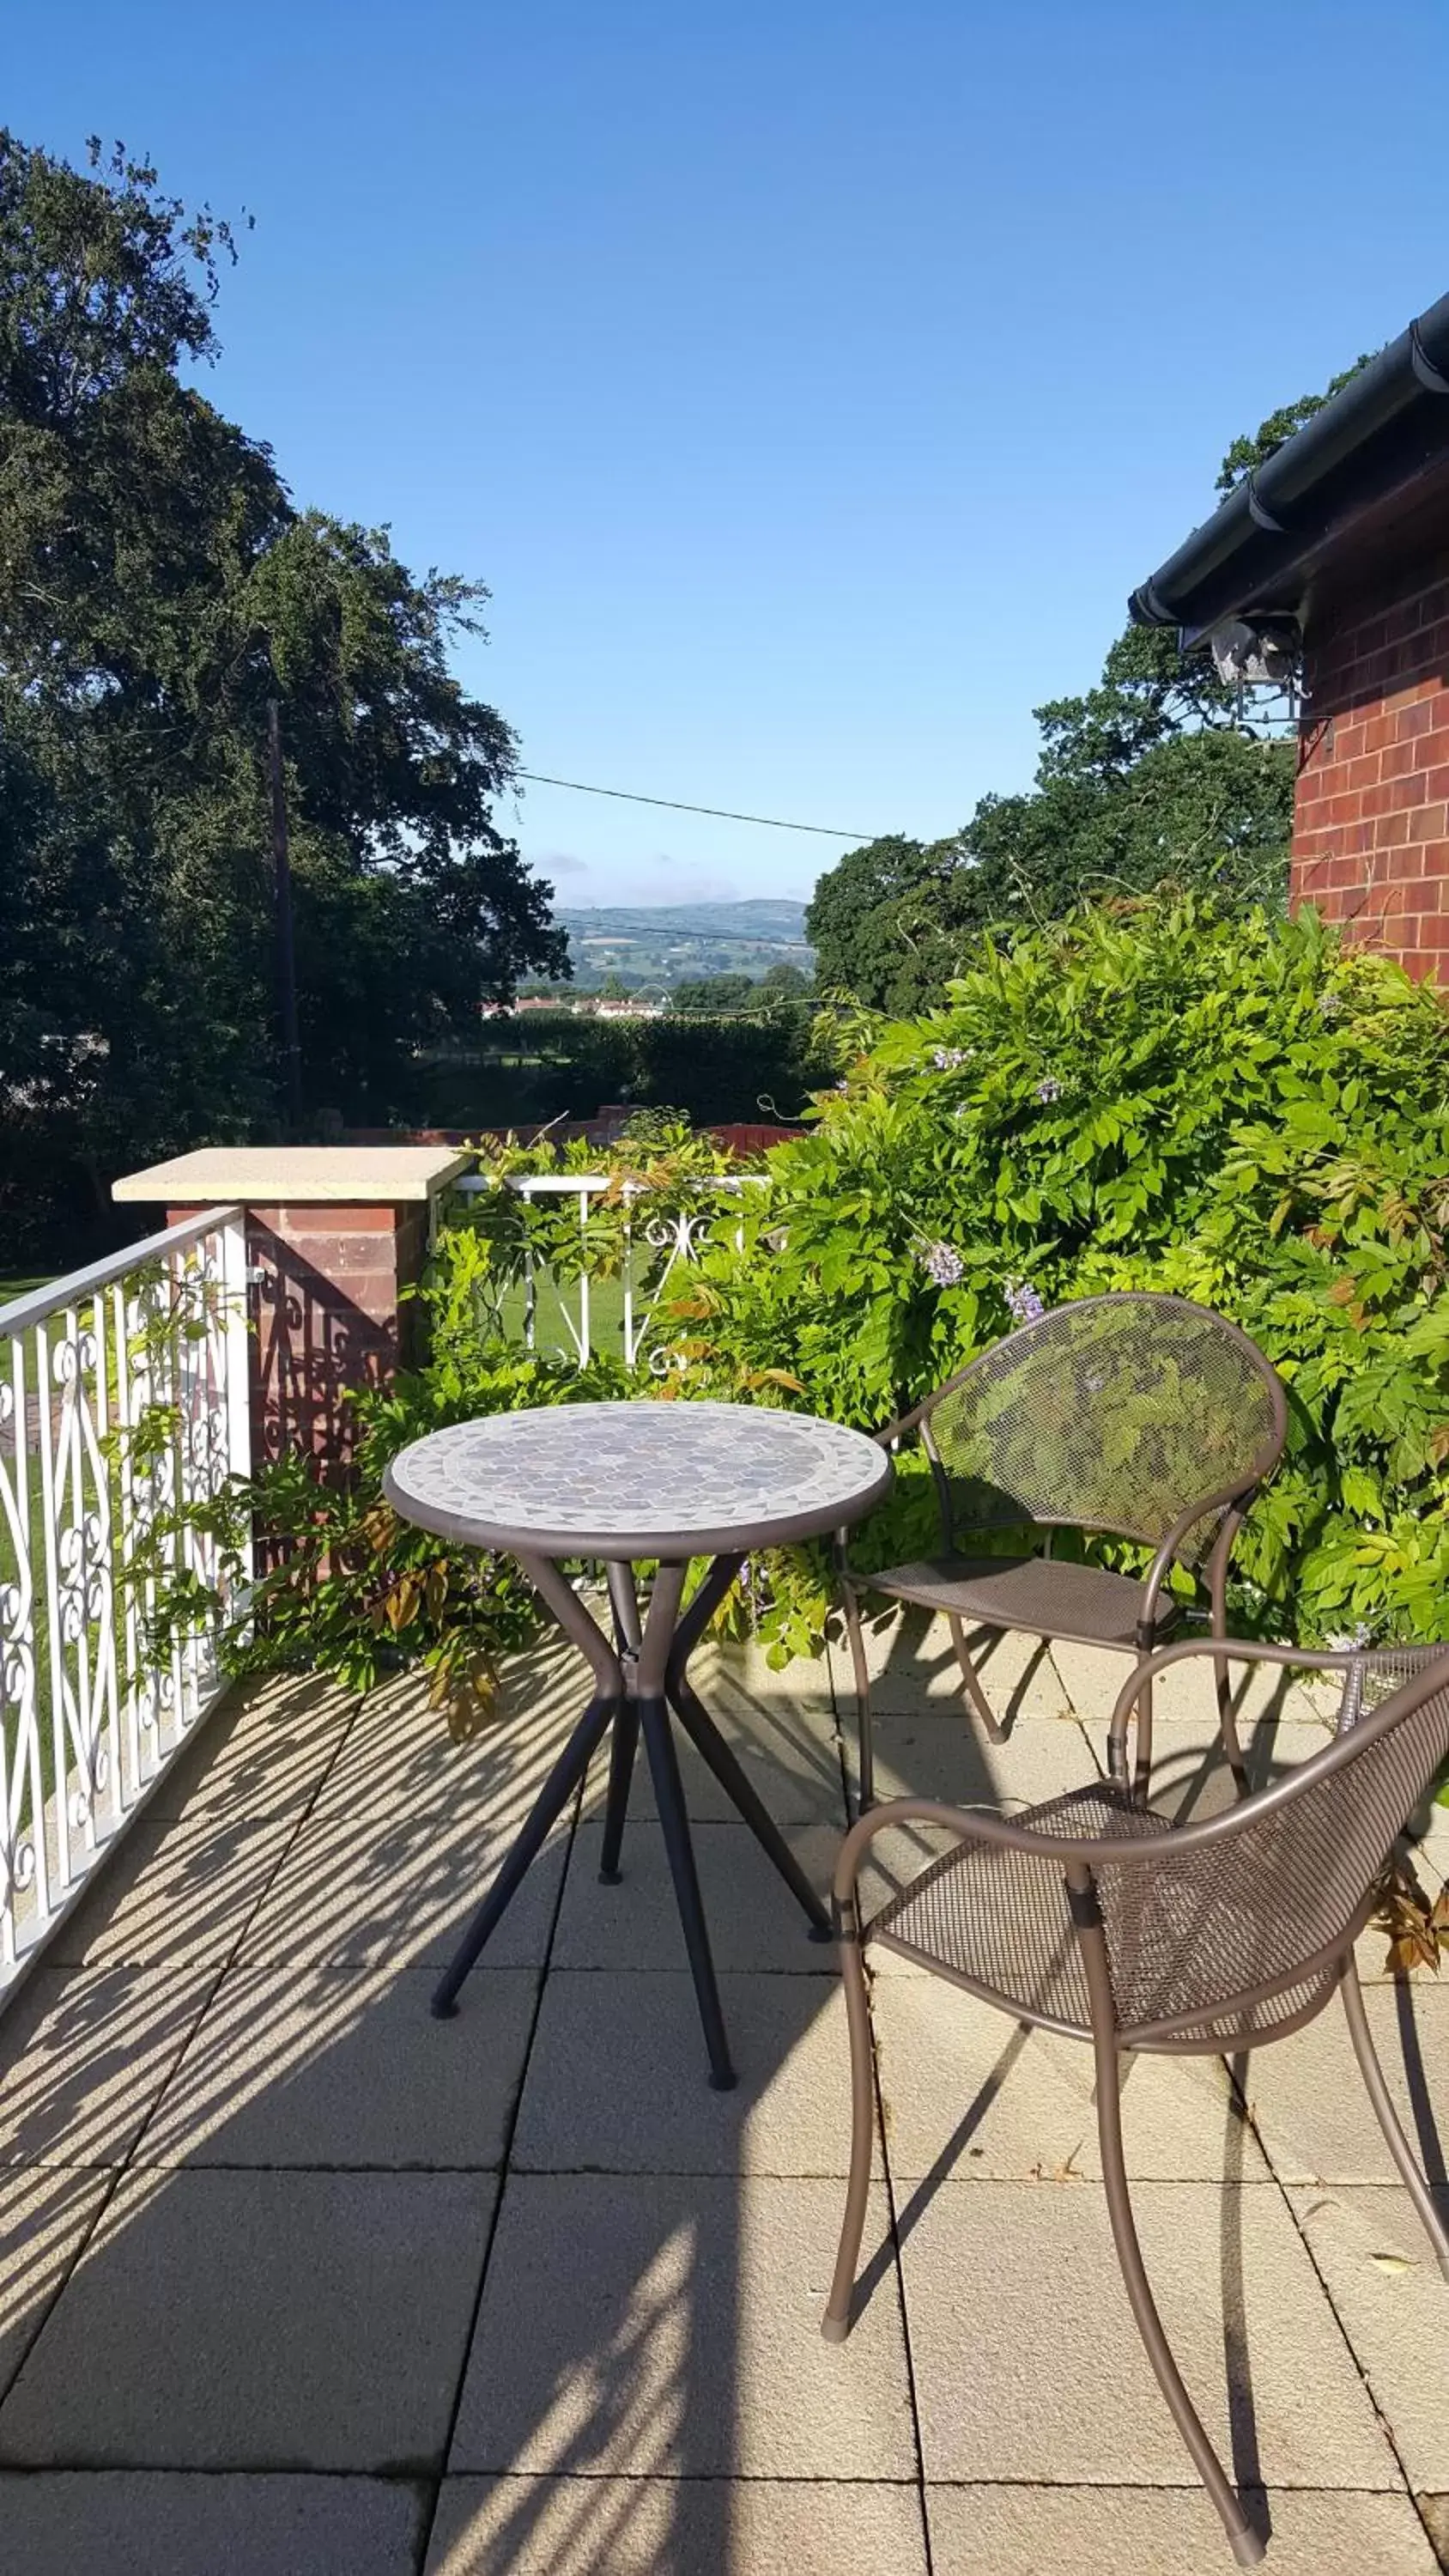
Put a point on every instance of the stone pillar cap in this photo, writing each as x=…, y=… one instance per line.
x=294, y=1176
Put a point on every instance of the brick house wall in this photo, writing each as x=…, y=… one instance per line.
x=1371, y=814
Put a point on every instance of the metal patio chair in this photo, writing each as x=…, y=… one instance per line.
x=1134, y=1415
x=1097, y=1917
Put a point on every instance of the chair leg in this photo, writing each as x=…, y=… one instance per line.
x=1222, y=1672
x=836, y=2323
x=1388, y=2120
x=1246, y=2543
x=865, y=1754
x=972, y=1680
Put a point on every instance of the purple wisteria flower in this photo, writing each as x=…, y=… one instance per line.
x=1048, y=1089
x=1025, y=1304
x=1329, y=1005
x=942, y=1264
x=946, y=1059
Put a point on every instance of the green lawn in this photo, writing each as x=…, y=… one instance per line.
x=554, y=1302
x=22, y=1287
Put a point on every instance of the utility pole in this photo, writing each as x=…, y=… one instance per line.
x=286, y=949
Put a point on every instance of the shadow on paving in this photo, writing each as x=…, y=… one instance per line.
x=299, y=2280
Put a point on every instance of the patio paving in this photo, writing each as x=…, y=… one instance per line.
x=295, y=2281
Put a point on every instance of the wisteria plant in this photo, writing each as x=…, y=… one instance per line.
x=1239, y=1110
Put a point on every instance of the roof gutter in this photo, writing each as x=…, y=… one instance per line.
x=1379, y=433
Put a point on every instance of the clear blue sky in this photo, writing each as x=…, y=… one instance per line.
x=808, y=382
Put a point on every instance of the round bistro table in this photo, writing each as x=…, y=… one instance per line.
x=654, y=1481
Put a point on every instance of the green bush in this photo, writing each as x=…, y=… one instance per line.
x=542, y=1065
x=1148, y=1096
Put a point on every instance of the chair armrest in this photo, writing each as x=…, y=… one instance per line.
x=1244, y=1650
x=1233, y=1501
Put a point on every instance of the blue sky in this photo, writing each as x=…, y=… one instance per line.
x=809, y=383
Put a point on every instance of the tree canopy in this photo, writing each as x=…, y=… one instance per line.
x=1150, y=778
x=158, y=586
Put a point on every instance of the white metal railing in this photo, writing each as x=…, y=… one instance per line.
x=653, y=1248
x=123, y=1407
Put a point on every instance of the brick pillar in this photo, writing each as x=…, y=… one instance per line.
x=334, y=1235
x=328, y=1316
x=1371, y=813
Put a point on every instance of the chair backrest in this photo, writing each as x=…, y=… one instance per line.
x=1115, y=1414
x=1254, y=1902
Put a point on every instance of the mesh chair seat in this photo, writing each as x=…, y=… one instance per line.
x=1043, y=1595
x=997, y=1922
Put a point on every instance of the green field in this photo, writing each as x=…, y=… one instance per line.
x=23, y=1287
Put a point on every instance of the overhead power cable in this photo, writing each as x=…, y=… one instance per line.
x=722, y=813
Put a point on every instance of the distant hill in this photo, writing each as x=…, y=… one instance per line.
x=667, y=943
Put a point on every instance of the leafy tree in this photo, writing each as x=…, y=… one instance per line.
x=882, y=921
x=712, y=995
x=784, y=983
x=157, y=587
x=1150, y=778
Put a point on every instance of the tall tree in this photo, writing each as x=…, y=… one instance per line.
x=157, y=587
x=1150, y=777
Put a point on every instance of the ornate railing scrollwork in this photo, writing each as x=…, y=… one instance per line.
x=123, y=1410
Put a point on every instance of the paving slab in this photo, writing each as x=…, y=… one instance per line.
x=258, y=2320
x=674, y=2527
x=1393, y=2305
x=616, y=2077
x=1028, y=2366
x=389, y=1879
x=946, y=1754
x=1307, y=2098
x=968, y=2091
x=1184, y=1694
x=140, y=2522
x=345, y=2067
x=1135, y=2531
x=175, y=1894
x=741, y=1664
x=398, y=1752
x=84, y=2054
x=45, y=2215
x=789, y=1750
x=263, y=1752
x=754, y=1921
x=912, y=1665
x=674, y=2330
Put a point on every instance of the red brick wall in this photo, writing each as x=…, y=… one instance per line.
x=1371, y=818
x=327, y=1317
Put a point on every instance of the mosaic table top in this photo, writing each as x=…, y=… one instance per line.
x=638, y=1479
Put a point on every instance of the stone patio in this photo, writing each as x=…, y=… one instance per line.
x=299, y=2282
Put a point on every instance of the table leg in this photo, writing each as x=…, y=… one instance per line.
x=621, y=1774
x=629, y=1639
x=669, y=1798
x=700, y=1727
x=552, y=1798
x=647, y=1675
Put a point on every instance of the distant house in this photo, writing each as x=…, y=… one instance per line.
x=526, y=1002
x=1336, y=553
